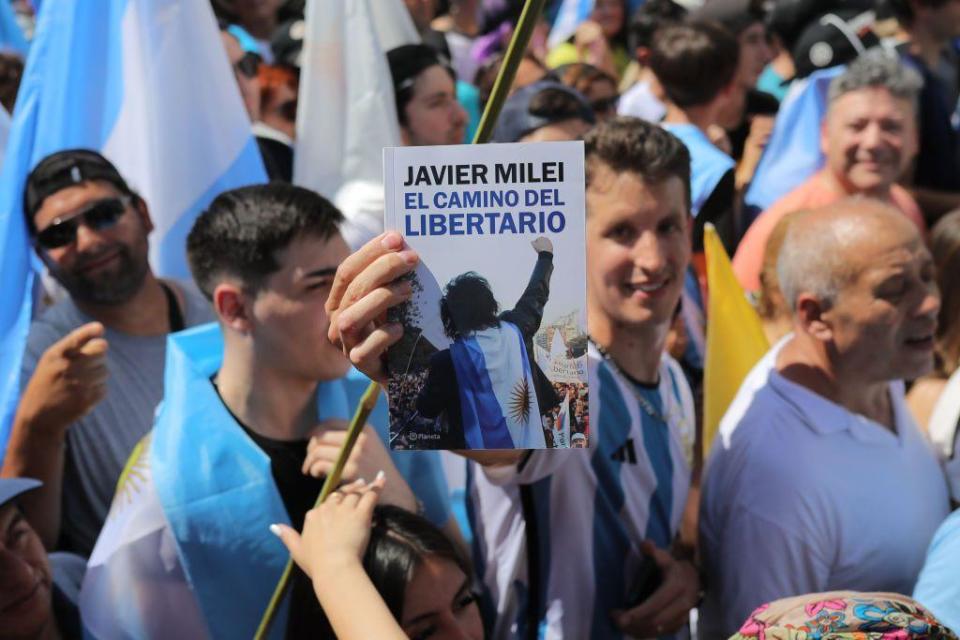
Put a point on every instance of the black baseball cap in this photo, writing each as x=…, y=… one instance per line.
x=516, y=120
x=833, y=39
x=64, y=169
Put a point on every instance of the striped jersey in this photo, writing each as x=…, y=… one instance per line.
x=557, y=537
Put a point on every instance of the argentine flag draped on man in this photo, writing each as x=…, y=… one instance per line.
x=147, y=83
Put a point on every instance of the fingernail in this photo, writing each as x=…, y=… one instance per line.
x=410, y=257
x=275, y=530
x=361, y=481
x=391, y=241
x=380, y=476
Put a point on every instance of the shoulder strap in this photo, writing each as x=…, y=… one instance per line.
x=174, y=315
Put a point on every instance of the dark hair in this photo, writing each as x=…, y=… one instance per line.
x=631, y=144
x=556, y=105
x=581, y=76
x=11, y=72
x=945, y=247
x=486, y=75
x=902, y=10
x=648, y=18
x=694, y=62
x=406, y=63
x=467, y=305
x=242, y=230
x=399, y=543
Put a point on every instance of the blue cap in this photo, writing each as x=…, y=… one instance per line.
x=516, y=120
x=10, y=488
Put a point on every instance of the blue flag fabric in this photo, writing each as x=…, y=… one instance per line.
x=211, y=488
x=146, y=82
x=793, y=153
x=11, y=35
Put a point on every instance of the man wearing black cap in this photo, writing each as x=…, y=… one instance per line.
x=86, y=406
x=31, y=604
x=426, y=95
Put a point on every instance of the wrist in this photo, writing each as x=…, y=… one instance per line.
x=40, y=425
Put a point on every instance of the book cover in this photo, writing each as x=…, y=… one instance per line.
x=493, y=354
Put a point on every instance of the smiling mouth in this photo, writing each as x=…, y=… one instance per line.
x=100, y=262
x=646, y=288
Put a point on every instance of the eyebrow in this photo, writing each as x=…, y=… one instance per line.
x=323, y=272
x=428, y=614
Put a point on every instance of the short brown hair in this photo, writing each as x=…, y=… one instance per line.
x=694, y=61
x=631, y=144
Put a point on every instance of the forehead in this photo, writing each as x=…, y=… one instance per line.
x=8, y=512
x=308, y=254
x=869, y=102
x=624, y=194
x=72, y=198
x=432, y=80
x=752, y=33
x=882, y=250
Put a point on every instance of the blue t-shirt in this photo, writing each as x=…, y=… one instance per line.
x=938, y=587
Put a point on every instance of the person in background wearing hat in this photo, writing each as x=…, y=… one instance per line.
x=869, y=138
x=93, y=363
x=545, y=111
x=37, y=598
x=931, y=27
x=429, y=114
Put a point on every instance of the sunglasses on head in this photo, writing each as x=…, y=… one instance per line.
x=248, y=65
x=101, y=215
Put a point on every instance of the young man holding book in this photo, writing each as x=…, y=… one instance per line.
x=590, y=548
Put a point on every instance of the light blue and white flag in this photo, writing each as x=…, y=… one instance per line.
x=498, y=400
x=11, y=35
x=146, y=82
x=793, y=153
x=186, y=550
x=569, y=17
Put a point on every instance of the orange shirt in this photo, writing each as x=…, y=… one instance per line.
x=817, y=191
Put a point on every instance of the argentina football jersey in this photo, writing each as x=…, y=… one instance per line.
x=557, y=538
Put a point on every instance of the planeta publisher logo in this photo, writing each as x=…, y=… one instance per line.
x=424, y=436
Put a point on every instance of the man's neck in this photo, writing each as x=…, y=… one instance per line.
x=925, y=45
x=145, y=314
x=701, y=117
x=636, y=351
x=804, y=361
x=268, y=403
x=841, y=187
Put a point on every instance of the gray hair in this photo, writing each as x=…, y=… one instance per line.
x=877, y=68
x=808, y=263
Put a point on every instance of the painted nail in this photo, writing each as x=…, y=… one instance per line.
x=275, y=530
x=380, y=476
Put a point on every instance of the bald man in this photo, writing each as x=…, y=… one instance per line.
x=820, y=480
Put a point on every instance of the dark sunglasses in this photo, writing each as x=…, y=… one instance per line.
x=605, y=104
x=248, y=65
x=101, y=215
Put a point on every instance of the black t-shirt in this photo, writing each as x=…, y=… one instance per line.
x=299, y=493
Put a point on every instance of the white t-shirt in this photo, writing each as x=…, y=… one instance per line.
x=638, y=101
x=802, y=496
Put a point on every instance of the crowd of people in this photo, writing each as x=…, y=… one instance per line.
x=165, y=428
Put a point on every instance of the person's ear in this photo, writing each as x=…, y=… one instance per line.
x=233, y=306
x=140, y=206
x=814, y=317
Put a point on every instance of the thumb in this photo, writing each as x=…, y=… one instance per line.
x=73, y=343
x=659, y=556
x=288, y=536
